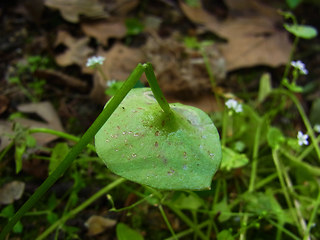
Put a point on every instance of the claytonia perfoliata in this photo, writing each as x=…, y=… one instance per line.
x=300, y=66
x=94, y=61
x=234, y=105
x=302, y=138
x=317, y=128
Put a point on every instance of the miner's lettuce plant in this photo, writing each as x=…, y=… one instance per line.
x=144, y=139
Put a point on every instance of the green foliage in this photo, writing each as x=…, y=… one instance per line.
x=113, y=88
x=267, y=185
x=225, y=235
x=8, y=212
x=32, y=87
x=275, y=137
x=302, y=31
x=22, y=140
x=265, y=87
x=189, y=201
x=134, y=26
x=232, y=159
x=124, y=232
x=193, y=3
x=59, y=152
x=293, y=3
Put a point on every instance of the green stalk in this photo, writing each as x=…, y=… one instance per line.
x=59, y=134
x=184, y=218
x=284, y=189
x=304, y=118
x=167, y=221
x=208, y=67
x=312, y=217
x=104, y=76
x=189, y=231
x=81, y=207
x=85, y=139
x=294, y=46
x=225, y=119
x=156, y=88
x=253, y=173
x=295, y=202
x=312, y=169
x=283, y=229
x=211, y=213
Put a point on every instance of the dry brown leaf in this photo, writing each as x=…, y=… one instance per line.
x=181, y=71
x=72, y=9
x=11, y=191
x=122, y=7
x=120, y=62
x=77, y=49
x=251, y=31
x=4, y=102
x=102, y=31
x=5, y=134
x=98, y=224
x=206, y=102
x=46, y=111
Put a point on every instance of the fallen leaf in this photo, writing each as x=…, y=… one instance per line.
x=46, y=111
x=123, y=7
x=5, y=134
x=206, y=102
x=182, y=71
x=102, y=31
x=4, y=102
x=11, y=191
x=252, y=33
x=72, y=9
x=98, y=224
x=77, y=51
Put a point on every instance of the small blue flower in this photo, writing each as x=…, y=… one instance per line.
x=234, y=105
x=95, y=60
x=300, y=66
x=302, y=138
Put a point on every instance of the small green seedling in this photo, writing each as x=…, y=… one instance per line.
x=144, y=139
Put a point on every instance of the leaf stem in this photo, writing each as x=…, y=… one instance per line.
x=156, y=88
x=304, y=118
x=167, y=221
x=253, y=176
x=280, y=169
x=59, y=134
x=81, y=207
x=85, y=139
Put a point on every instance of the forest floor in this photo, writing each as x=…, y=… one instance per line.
x=203, y=53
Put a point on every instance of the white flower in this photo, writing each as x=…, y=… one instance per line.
x=93, y=61
x=299, y=65
x=302, y=138
x=111, y=82
x=317, y=128
x=233, y=104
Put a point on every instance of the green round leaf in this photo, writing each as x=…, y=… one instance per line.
x=143, y=144
x=302, y=31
